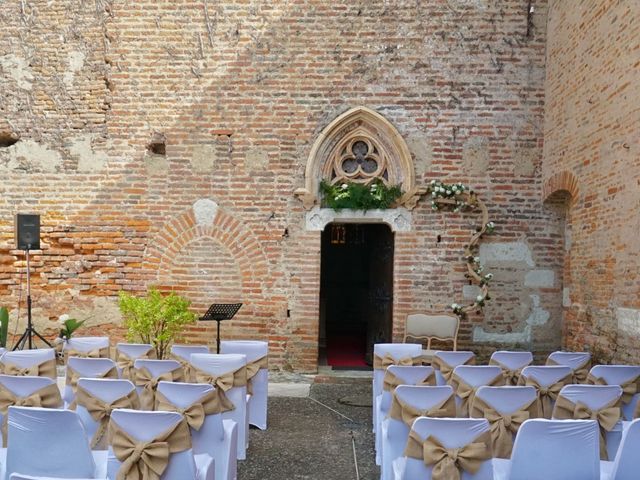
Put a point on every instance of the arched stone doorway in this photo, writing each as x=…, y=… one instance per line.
x=356, y=292
x=357, y=287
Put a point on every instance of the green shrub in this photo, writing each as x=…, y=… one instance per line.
x=156, y=319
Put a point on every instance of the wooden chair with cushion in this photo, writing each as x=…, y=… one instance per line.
x=423, y=326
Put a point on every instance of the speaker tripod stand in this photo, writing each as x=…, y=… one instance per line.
x=30, y=332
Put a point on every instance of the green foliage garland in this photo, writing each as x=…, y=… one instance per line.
x=359, y=196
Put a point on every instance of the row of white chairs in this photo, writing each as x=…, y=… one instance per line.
x=45, y=441
x=543, y=449
x=500, y=401
x=233, y=424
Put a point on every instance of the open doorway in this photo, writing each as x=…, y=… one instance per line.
x=356, y=293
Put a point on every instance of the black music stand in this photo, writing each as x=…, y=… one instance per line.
x=220, y=312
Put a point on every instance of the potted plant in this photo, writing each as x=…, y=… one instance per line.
x=155, y=318
x=4, y=326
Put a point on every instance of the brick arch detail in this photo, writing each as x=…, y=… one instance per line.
x=564, y=180
x=225, y=229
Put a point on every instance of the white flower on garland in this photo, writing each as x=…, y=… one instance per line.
x=63, y=318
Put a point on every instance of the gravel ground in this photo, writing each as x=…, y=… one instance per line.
x=306, y=440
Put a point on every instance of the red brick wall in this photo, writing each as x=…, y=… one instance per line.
x=592, y=150
x=240, y=104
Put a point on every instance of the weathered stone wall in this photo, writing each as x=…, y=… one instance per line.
x=592, y=150
x=162, y=142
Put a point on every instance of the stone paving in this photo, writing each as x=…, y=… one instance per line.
x=313, y=437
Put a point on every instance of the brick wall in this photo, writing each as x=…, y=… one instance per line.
x=238, y=93
x=592, y=151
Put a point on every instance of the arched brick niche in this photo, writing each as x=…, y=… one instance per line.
x=561, y=181
x=339, y=141
x=209, y=256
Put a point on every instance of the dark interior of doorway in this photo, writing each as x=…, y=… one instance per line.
x=356, y=293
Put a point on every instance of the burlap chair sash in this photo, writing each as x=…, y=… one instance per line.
x=391, y=381
x=510, y=375
x=449, y=463
x=636, y=411
x=44, y=369
x=467, y=393
x=504, y=425
x=606, y=416
x=195, y=413
x=147, y=460
x=125, y=362
x=580, y=373
x=381, y=363
x=95, y=353
x=629, y=388
x=186, y=367
x=252, y=370
x=546, y=395
x=73, y=376
x=446, y=370
x=223, y=383
x=145, y=379
x=406, y=413
x=100, y=411
x=48, y=397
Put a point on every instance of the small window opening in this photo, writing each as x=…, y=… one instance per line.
x=158, y=144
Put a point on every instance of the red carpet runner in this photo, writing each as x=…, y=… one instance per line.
x=346, y=351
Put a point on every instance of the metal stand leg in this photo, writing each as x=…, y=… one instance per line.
x=218, y=338
x=28, y=334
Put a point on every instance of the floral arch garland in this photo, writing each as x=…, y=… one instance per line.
x=458, y=197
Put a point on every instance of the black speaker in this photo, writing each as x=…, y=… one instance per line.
x=27, y=232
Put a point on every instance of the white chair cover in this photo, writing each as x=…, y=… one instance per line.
x=453, y=359
x=183, y=353
x=553, y=450
x=23, y=387
x=451, y=433
x=28, y=358
x=619, y=375
x=86, y=368
x=545, y=376
x=510, y=360
x=216, y=437
x=410, y=375
x=134, y=351
x=626, y=465
x=596, y=397
x=219, y=364
x=476, y=376
x=86, y=344
x=397, y=351
x=254, y=350
x=507, y=399
x=156, y=368
x=106, y=389
x=19, y=476
x=44, y=441
x=394, y=433
x=146, y=426
x=2, y=351
x=575, y=360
